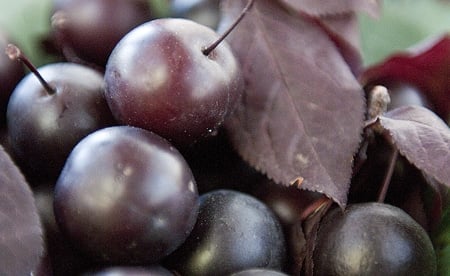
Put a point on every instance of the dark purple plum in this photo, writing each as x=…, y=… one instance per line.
x=158, y=78
x=131, y=271
x=45, y=123
x=372, y=239
x=89, y=29
x=126, y=196
x=234, y=231
x=259, y=272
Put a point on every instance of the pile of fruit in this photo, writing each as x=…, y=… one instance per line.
x=234, y=137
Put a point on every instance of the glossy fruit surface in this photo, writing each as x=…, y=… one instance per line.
x=258, y=272
x=91, y=28
x=158, y=78
x=43, y=127
x=131, y=271
x=234, y=231
x=126, y=195
x=372, y=239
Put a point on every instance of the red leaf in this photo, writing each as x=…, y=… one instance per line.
x=422, y=137
x=333, y=7
x=426, y=66
x=301, y=115
x=21, y=243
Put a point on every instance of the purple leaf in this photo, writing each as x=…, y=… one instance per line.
x=343, y=30
x=339, y=20
x=300, y=118
x=422, y=137
x=333, y=7
x=21, y=242
x=436, y=199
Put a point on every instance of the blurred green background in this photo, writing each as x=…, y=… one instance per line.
x=402, y=23
x=28, y=21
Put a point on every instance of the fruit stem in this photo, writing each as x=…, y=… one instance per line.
x=314, y=207
x=14, y=53
x=388, y=176
x=378, y=101
x=206, y=51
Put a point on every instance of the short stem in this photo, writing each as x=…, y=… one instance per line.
x=379, y=100
x=388, y=176
x=206, y=51
x=314, y=206
x=14, y=53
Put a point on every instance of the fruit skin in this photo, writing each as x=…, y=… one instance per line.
x=43, y=128
x=258, y=272
x=157, y=78
x=372, y=239
x=234, y=231
x=91, y=28
x=131, y=271
x=126, y=196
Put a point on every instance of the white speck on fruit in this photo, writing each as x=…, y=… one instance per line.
x=191, y=186
x=127, y=171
